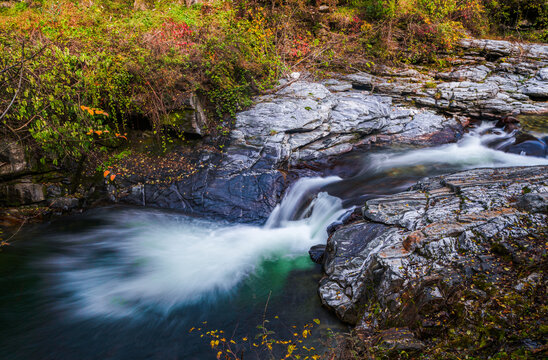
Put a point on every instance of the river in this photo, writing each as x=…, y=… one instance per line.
x=137, y=283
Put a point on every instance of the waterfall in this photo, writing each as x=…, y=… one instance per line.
x=146, y=259
x=161, y=261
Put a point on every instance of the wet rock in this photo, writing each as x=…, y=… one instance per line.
x=23, y=192
x=301, y=125
x=531, y=148
x=316, y=253
x=65, y=203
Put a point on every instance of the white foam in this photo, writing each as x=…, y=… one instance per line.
x=471, y=152
x=159, y=261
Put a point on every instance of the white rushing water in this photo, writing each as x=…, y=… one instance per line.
x=154, y=260
x=479, y=148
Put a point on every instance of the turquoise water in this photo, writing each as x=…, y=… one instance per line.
x=65, y=292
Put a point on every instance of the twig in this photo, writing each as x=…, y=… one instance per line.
x=32, y=118
x=265, y=307
x=16, y=92
x=23, y=59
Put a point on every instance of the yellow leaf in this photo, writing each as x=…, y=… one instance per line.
x=244, y=339
x=219, y=354
x=191, y=329
x=317, y=321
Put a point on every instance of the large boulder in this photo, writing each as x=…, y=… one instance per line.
x=21, y=192
x=301, y=125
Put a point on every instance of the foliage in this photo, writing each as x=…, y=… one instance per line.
x=144, y=64
x=266, y=343
x=51, y=95
x=516, y=13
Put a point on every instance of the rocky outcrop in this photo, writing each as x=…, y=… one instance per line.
x=22, y=192
x=489, y=79
x=411, y=250
x=302, y=124
x=13, y=160
x=305, y=126
x=24, y=181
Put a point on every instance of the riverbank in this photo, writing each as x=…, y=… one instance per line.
x=174, y=76
x=455, y=265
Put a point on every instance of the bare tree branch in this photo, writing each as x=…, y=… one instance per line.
x=23, y=59
x=16, y=91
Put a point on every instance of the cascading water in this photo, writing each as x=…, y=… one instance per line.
x=165, y=261
x=129, y=283
x=388, y=172
x=482, y=147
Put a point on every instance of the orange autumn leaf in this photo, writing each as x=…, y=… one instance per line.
x=105, y=174
x=98, y=132
x=112, y=177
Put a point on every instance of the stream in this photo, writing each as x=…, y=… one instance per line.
x=131, y=283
